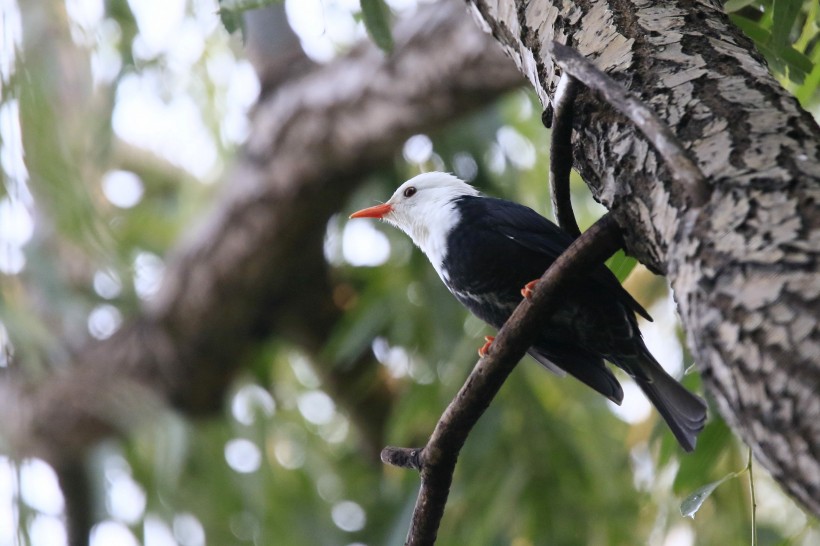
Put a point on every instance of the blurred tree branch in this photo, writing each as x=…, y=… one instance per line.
x=255, y=264
x=76, y=486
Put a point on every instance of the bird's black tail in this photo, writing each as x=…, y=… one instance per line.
x=684, y=412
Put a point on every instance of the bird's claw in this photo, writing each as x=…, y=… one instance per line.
x=528, y=288
x=485, y=349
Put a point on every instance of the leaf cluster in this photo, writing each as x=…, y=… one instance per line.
x=786, y=32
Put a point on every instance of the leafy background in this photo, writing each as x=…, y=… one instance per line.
x=89, y=205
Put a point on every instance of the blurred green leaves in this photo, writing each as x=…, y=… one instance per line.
x=785, y=31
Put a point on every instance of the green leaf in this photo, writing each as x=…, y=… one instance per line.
x=798, y=64
x=621, y=265
x=796, y=61
x=754, y=31
x=809, y=87
x=783, y=17
x=231, y=20
x=693, y=502
x=734, y=5
x=376, y=15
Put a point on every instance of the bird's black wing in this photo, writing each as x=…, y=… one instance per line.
x=526, y=227
x=585, y=367
x=531, y=230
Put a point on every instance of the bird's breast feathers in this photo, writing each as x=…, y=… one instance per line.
x=431, y=234
x=490, y=307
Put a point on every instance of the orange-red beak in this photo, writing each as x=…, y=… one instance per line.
x=373, y=212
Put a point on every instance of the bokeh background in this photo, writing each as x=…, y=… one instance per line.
x=118, y=122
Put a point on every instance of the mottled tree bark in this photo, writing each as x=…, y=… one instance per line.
x=743, y=266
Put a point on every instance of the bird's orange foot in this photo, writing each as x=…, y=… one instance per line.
x=485, y=349
x=528, y=288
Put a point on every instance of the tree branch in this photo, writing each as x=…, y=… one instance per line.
x=437, y=459
x=75, y=484
x=682, y=169
x=561, y=157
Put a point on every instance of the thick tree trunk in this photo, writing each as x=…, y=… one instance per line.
x=744, y=265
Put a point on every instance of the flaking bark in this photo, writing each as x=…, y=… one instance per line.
x=744, y=265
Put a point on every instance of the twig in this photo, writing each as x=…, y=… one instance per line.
x=561, y=154
x=76, y=488
x=682, y=169
x=402, y=457
x=438, y=458
x=754, y=502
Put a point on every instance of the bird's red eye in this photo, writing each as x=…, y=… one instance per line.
x=410, y=192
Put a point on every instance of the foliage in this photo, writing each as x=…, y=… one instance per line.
x=786, y=32
x=375, y=16
x=550, y=462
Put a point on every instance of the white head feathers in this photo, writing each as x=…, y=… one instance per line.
x=423, y=208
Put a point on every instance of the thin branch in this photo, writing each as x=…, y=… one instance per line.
x=749, y=465
x=76, y=487
x=561, y=157
x=682, y=169
x=438, y=458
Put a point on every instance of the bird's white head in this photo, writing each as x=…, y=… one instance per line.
x=424, y=208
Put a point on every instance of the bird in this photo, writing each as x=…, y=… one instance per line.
x=487, y=251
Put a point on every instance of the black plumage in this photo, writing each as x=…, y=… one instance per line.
x=498, y=246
